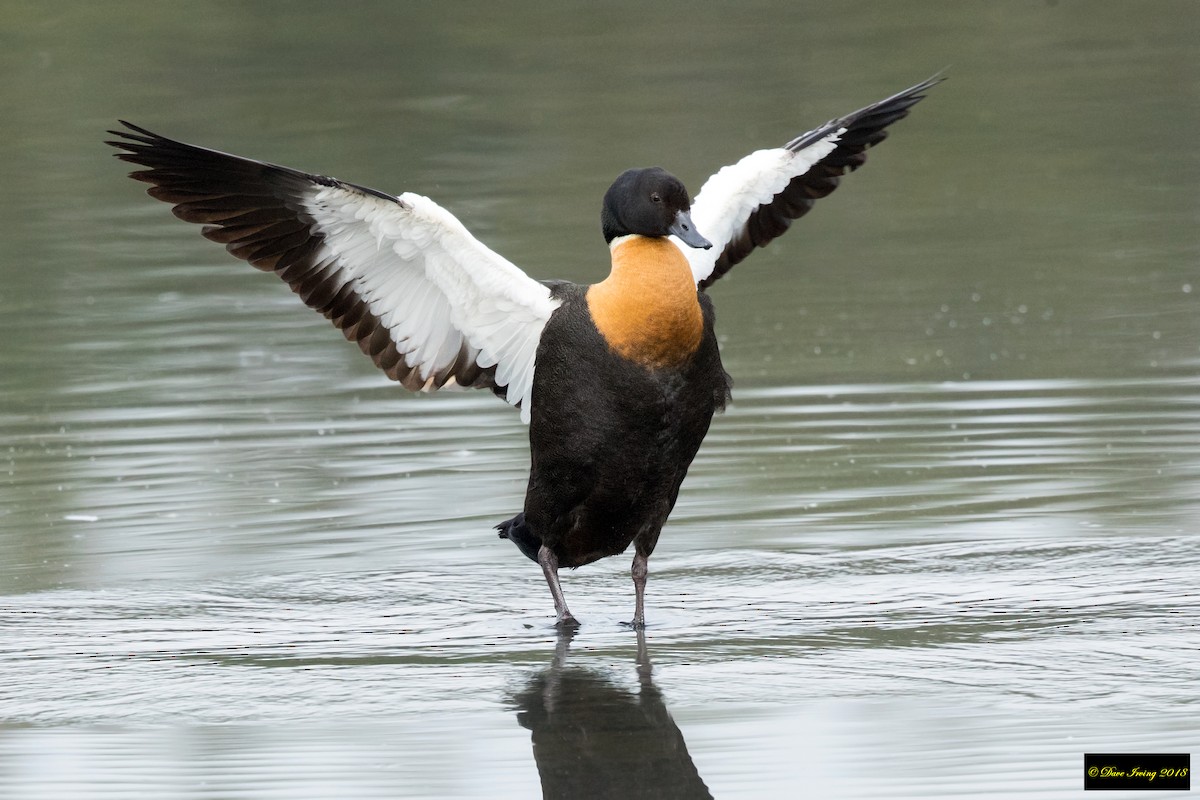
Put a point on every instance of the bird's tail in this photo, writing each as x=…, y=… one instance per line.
x=519, y=533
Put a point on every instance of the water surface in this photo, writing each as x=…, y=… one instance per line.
x=942, y=544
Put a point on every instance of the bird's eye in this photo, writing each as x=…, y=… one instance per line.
x=655, y=197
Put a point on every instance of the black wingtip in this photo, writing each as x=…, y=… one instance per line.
x=131, y=127
x=931, y=81
x=893, y=108
x=132, y=138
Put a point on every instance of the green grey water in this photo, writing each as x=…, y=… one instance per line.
x=943, y=543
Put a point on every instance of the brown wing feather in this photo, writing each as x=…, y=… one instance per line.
x=256, y=210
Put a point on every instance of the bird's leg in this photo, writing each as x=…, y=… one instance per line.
x=639, y=570
x=549, y=563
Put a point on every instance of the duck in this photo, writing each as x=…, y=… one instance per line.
x=618, y=381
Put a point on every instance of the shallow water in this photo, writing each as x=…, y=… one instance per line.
x=942, y=544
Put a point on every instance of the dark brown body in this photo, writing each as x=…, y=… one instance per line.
x=611, y=439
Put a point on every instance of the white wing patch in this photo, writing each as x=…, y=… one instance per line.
x=434, y=285
x=729, y=197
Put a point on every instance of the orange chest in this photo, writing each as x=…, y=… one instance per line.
x=647, y=309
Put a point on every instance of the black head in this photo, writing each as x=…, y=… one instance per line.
x=649, y=202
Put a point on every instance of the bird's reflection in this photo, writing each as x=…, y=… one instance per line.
x=593, y=738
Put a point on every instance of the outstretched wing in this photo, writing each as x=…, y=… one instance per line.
x=747, y=204
x=430, y=304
